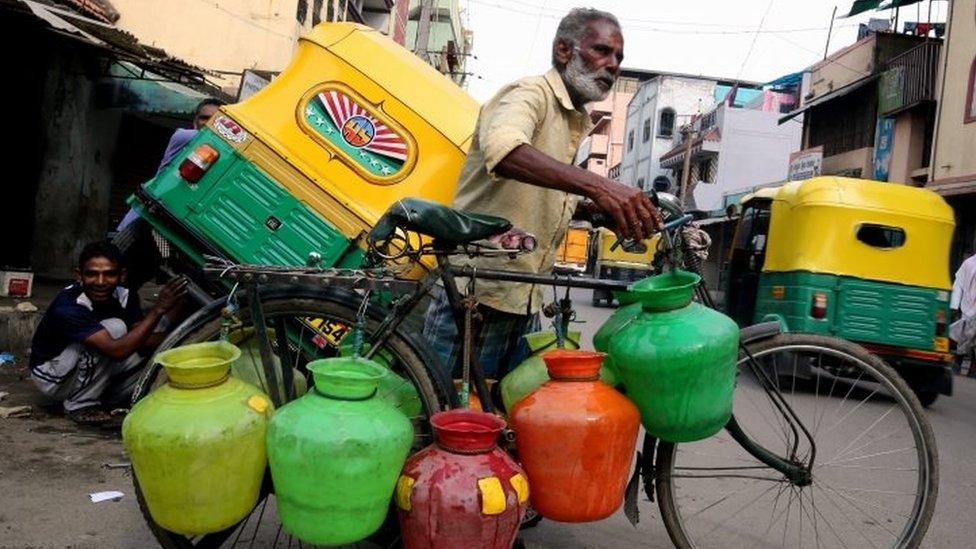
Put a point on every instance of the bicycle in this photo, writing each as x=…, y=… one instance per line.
x=321, y=312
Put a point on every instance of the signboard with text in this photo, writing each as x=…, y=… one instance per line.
x=883, y=136
x=252, y=81
x=891, y=95
x=806, y=163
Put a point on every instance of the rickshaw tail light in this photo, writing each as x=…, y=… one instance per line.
x=940, y=322
x=818, y=306
x=197, y=163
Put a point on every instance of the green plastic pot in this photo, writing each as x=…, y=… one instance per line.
x=676, y=358
x=335, y=454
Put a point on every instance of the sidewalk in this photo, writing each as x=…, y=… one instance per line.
x=49, y=465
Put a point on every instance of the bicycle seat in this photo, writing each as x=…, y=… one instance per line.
x=444, y=224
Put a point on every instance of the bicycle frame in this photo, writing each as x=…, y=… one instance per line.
x=412, y=293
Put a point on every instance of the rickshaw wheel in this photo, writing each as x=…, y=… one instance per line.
x=874, y=479
x=408, y=357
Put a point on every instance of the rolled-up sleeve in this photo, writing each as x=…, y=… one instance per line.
x=510, y=121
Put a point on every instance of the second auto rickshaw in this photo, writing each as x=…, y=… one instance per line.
x=862, y=260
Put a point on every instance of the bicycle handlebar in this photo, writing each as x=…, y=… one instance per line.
x=669, y=226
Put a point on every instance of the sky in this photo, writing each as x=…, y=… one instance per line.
x=513, y=38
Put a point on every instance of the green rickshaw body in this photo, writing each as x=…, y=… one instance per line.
x=862, y=260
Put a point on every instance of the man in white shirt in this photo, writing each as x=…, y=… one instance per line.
x=963, y=305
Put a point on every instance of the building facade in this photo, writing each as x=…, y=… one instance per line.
x=94, y=109
x=604, y=147
x=732, y=149
x=871, y=107
x=230, y=36
x=658, y=109
x=953, y=164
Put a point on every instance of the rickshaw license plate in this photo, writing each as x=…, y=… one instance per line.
x=942, y=344
x=328, y=332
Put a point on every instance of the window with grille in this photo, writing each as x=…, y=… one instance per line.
x=647, y=130
x=665, y=127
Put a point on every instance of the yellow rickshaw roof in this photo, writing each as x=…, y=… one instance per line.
x=764, y=192
x=815, y=226
x=420, y=87
x=863, y=193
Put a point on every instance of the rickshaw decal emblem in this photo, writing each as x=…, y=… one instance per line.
x=344, y=123
x=358, y=131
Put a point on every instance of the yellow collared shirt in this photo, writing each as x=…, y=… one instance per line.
x=539, y=112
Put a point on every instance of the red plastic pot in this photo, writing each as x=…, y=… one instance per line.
x=462, y=491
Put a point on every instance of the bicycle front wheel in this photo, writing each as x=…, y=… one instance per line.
x=315, y=323
x=874, y=474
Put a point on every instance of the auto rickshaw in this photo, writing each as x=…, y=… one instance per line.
x=573, y=254
x=863, y=260
x=306, y=166
x=629, y=262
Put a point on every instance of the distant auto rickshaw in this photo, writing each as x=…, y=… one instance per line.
x=573, y=254
x=863, y=260
x=629, y=261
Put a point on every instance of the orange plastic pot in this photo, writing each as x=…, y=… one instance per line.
x=576, y=438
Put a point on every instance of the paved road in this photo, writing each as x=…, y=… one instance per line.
x=48, y=468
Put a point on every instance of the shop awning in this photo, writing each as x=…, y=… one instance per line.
x=787, y=80
x=130, y=87
x=840, y=92
x=151, y=64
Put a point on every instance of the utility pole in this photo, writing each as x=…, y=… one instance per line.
x=689, y=136
x=423, y=30
x=830, y=31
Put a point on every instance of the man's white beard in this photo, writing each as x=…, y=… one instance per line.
x=582, y=82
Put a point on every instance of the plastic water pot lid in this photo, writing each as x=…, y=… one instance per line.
x=346, y=378
x=567, y=364
x=199, y=364
x=664, y=292
x=466, y=431
x=547, y=338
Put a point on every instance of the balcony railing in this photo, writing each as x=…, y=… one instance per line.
x=910, y=79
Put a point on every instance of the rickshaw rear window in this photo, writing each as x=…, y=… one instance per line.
x=881, y=236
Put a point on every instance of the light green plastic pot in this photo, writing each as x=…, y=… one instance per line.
x=336, y=453
x=197, y=444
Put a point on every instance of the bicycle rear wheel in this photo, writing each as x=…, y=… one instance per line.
x=315, y=321
x=874, y=478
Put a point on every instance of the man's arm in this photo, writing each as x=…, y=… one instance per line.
x=506, y=127
x=633, y=213
x=120, y=349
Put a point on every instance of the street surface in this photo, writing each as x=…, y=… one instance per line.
x=48, y=468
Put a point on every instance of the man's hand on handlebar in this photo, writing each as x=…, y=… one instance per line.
x=634, y=216
x=514, y=239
